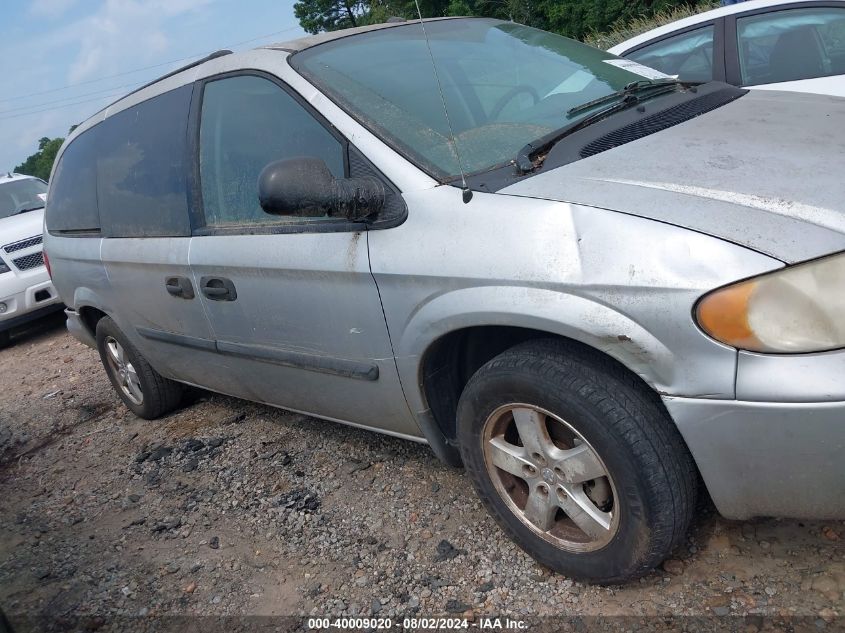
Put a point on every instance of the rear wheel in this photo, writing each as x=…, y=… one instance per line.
x=143, y=390
x=576, y=460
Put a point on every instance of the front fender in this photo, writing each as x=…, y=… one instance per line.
x=623, y=285
x=571, y=316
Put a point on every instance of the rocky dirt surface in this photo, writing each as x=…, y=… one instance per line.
x=227, y=507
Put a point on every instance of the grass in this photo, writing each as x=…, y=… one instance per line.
x=621, y=32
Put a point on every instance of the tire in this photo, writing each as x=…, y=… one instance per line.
x=148, y=395
x=4, y=339
x=585, y=415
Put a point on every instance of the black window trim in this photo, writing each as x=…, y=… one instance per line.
x=719, y=59
x=329, y=225
x=734, y=74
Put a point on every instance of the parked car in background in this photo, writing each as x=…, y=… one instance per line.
x=26, y=292
x=593, y=287
x=792, y=45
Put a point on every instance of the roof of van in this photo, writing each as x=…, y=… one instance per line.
x=321, y=38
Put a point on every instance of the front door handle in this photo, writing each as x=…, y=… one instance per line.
x=179, y=287
x=218, y=288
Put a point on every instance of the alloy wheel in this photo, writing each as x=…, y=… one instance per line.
x=550, y=477
x=121, y=367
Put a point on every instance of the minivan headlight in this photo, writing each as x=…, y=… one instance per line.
x=790, y=311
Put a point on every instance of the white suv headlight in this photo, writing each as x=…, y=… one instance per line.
x=790, y=311
x=4, y=268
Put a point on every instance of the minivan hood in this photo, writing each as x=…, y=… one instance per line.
x=765, y=171
x=21, y=226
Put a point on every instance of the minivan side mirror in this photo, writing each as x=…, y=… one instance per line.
x=305, y=187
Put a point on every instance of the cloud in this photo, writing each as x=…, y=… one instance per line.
x=103, y=38
x=51, y=9
x=98, y=38
x=120, y=34
x=20, y=141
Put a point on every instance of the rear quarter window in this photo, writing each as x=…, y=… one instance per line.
x=72, y=201
x=127, y=176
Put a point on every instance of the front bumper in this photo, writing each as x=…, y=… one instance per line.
x=782, y=459
x=27, y=301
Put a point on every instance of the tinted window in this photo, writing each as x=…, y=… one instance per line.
x=247, y=123
x=20, y=196
x=142, y=167
x=72, y=201
x=791, y=45
x=689, y=56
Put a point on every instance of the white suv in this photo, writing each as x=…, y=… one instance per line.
x=26, y=292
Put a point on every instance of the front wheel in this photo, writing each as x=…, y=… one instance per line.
x=576, y=460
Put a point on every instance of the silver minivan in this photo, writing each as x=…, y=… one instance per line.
x=596, y=288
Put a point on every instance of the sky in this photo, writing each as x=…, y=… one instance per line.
x=63, y=60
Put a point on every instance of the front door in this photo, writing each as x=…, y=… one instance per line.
x=292, y=303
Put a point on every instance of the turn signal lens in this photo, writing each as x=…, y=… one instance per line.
x=791, y=311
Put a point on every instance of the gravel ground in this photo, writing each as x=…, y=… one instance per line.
x=231, y=508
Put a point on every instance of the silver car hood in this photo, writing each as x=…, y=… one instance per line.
x=766, y=171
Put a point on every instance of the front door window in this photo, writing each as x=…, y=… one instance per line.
x=247, y=123
x=688, y=56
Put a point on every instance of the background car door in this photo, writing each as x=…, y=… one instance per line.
x=797, y=49
x=294, y=307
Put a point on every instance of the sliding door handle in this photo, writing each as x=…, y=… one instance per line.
x=179, y=287
x=218, y=289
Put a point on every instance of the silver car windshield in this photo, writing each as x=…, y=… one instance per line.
x=19, y=196
x=504, y=85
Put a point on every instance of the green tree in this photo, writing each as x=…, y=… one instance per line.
x=577, y=18
x=330, y=15
x=41, y=162
x=316, y=16
x=573, y=18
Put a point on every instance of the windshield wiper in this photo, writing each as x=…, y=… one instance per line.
x=633, y=88
x=525, y=159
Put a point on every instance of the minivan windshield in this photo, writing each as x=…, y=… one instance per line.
x=19, y=196
x=504, y=85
